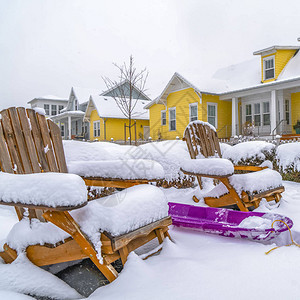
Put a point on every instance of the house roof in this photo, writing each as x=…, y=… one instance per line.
x=107, y=108
x=272, y=48
x=49, y=97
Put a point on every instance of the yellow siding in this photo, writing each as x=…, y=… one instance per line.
x=181, y=100
x=115, y=128
x=281, y=59
x=295, y=109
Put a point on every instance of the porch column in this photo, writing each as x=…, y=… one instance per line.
x=234, y=122
x=273, y=111
x=69, y=127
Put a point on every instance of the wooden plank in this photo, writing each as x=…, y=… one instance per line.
x=25, y=125
x=160, y=235
x=7, y=259
x=34, y=206
x=58, y=146
x=9, y=251
x=21, y=145
x=38, y=142
x=110, y=182
x=11, y=142
x=5, y=160
x=120, y=241
x=64, y=221
x=47, y=143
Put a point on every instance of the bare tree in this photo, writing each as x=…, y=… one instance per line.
x=127, y=95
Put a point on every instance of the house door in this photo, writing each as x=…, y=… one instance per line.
x=146, y=132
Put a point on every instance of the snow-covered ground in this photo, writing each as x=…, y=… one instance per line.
x=197, y=265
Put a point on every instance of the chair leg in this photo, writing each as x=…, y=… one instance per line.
x=64, y=220
x=160, y=235
x=124, y=254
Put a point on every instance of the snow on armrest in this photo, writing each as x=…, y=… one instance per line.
x=208, y=166
x=43, y=189
x=120, y=169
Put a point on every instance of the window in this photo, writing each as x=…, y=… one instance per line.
x=53, y=110
x=212, y=114
x=257, y=114
x=269, y=69
x=193, y=112
x=163, y=117
x=62, y=129
x=172, y=118
x=60, y=107
x=287, y=111
x=96, y=128
x=46, y=108
x=248, y=113
x=75, y=105
x=76, y=127
x=266, y=113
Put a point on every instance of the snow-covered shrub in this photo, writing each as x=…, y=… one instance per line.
x=249, y=153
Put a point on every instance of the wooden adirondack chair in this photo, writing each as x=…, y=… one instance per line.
x=24, y=136
x=201, y=138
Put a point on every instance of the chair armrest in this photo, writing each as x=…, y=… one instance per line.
x=249, y=168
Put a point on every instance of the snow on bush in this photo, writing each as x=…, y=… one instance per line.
x=288, y=157
x=250, y=153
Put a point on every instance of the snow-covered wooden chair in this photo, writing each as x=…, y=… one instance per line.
x=244, y=190
x=34, y=181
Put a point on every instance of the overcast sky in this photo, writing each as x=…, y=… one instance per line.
x=48, y=46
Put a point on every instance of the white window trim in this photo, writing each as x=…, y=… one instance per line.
x=163, y=111
x=170, y=109
x=289, y=100
x=216, y=105
x=190, y=106
x=264, y=70
x=94, y=123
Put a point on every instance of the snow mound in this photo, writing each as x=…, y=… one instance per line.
x=123, y=169
x=256, y=222
x=48, y=189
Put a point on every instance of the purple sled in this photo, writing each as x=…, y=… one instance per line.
x=225, y=222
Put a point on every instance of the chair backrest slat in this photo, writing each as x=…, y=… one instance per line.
x=48, y=149
x=58, y=147
x=26, y=128
x=11, y=143
x=5, y=161
x=37, y=138
x=22, y=149
x=201, y=137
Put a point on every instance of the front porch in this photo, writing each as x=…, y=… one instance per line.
x=263, y=113
x=72, y=125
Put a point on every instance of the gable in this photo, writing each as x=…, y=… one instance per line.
x=123, y=89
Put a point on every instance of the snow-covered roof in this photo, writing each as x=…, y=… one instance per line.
x=49, y=97
x=107, y=108
x=272, y=48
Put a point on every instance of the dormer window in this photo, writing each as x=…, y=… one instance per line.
x=269, y=68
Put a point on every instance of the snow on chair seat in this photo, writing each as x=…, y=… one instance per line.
x=131, y=169
x=59, y=191
x=208, y=166
x=257, y=182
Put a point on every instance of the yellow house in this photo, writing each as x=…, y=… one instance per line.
x=264, y=91
x=107, y=121
x=180, y=103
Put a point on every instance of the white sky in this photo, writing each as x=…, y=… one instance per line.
x=47, y=46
